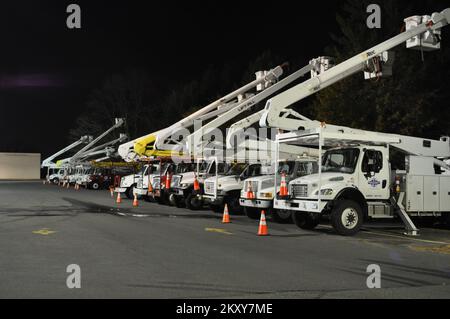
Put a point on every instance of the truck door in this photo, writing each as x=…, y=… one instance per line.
x=374, y=175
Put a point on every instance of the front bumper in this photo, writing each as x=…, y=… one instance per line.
x=312, y=206
x=210, y=199
x=120, y=189
x=177, y=191
x=259, y=203
x=140, y=191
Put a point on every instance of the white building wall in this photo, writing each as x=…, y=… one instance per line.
x=20, y=166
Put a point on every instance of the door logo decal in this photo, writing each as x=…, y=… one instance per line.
x=374, y=182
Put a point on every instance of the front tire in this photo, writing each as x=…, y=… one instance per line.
x=129, y=192
x=193, y=202
x=282, y=216
x=55, y=180
x=346, y=217
x=305, y=220
x=95, y=186
x=233, y=204
x=252, y=212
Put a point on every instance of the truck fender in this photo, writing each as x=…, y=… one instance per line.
x=353, y=194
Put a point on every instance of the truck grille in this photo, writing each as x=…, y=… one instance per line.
x=210, y=187
x=254, y=186
x=140, y=183
x=176, y=179
x=156, y=182
x=300, y=190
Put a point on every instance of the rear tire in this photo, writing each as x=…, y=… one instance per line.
x=252, y=212
x=346, y=217
x=305, y=220
x=281, y=216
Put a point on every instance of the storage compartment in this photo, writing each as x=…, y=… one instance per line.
x=414, y=193
x=431, y=193
x=444, y=192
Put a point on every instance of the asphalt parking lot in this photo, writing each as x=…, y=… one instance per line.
x=156, y=251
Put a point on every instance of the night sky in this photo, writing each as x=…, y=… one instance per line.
x=47, y=70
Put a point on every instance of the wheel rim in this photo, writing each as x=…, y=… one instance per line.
x=349, y=218
x=95, y=186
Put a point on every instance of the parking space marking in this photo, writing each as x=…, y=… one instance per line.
x=44, y=232
x=218, y=230
x=407, y=238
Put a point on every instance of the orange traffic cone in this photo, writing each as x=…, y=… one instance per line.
x=250, y=194
x=135, y=201
x=226, y=215
x=150, y=187
x=118, y=200
x=168, y=180
x=196, y=184
x=262, y=230
x=111, y=190
x=283, y=186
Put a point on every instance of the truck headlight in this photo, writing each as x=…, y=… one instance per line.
x=266, y=195
x=325, y=192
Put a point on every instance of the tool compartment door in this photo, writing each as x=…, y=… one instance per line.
x=414, y=193
x=444, y=192
x=431, y=193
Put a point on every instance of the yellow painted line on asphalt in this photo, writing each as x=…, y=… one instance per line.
x=445, y=249
x=218, y=230
x=44, y=232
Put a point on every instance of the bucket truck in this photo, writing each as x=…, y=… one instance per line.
x=166, y=142
x=167, y=138
x=355, y=180
x=201, y=139
x=54, y=171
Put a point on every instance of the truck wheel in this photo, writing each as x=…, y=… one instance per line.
x=252, y=212
x=216, y=208
x=193, y=202
x=305, y=220
x=233, y=204
x=95, y=186
x=129, y=192
x=282, y=216
x=55, y=180
x=346, y=217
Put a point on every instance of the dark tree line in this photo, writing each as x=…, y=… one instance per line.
x=413, y=101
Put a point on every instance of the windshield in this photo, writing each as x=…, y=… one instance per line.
x=340, y=161
x=286, y=167
x=236, y=169
x=186, y=167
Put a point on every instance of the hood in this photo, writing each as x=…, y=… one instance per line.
x=314, y=178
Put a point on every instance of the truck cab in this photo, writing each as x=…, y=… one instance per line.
x=225, y=189
x=129, y=182
x=258, y=192
x=351, y=179
x=182, y=187
x=55, y=175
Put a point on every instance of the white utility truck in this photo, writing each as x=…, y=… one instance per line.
x=355, y=179
x=183, y=185
x=258, y=193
